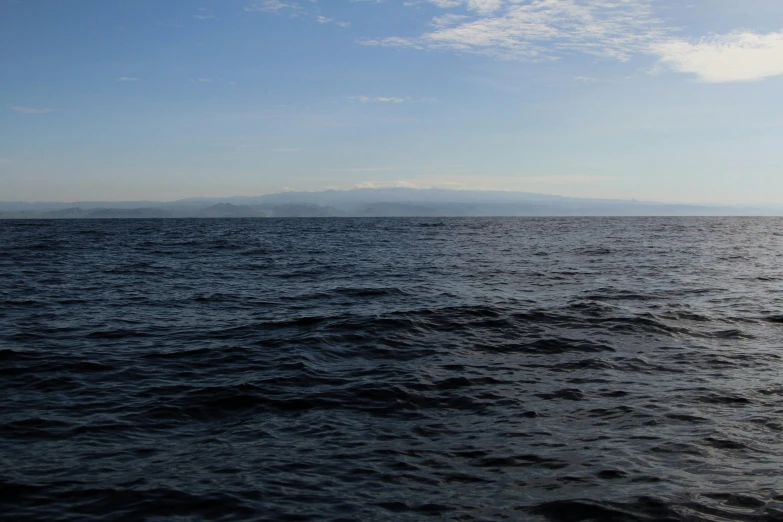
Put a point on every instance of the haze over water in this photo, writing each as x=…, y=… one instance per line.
x=558, y=369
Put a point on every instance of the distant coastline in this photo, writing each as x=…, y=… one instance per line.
x=395, y=202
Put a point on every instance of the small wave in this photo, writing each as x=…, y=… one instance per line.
x=118, y=334
x=552, y=346
x=730, y=400
x=9, y=355
x=644, y=509
x=77, y=501
x=722, y=507
x=567, y=394
x=369, y=292
x=519, y=461
x=730, y=334
x=34, y=428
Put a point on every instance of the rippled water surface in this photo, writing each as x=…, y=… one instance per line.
x=392, y=369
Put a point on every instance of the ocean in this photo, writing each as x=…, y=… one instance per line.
x=543, y=369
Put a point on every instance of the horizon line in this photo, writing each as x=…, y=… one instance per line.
x=406, y=188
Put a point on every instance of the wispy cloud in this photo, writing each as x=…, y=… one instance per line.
x=285, y=149
x=476, y=181
x=294, y=9
x=5, y=160
x=378, y=99
x=540, y=29
x=448, y=20
x=273, y=6
x=734, y=57
x=30, y=110
x=387, y=99
x=480, y=6
x=384, y=184
x=204, y=14
x=128, y=79
x=567, y=179
x=459, y=177
x=326, y=20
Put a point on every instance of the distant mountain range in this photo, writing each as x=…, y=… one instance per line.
x=390, y=202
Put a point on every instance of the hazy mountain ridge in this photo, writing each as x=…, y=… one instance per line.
x=401, y=202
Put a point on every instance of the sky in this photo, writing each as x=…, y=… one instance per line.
x=664, y=100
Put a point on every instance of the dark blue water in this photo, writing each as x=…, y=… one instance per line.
x=392, y=369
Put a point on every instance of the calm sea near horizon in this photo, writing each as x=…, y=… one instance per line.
x=545, y=369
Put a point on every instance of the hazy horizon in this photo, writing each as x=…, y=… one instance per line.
x=455, y=191
x=138, y=100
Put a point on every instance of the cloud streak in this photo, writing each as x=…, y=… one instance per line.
x=326, y=20
x=30, y=110
x=540, y=30
x=378, y=99
x=294, y=9
x=472, y=181
x=387, y=99
x=273, y=6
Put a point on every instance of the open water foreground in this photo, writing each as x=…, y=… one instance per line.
x=552, y=369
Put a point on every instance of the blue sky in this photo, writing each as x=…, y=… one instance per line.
x=140, y=99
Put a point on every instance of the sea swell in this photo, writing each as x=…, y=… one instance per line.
x=364, y=369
